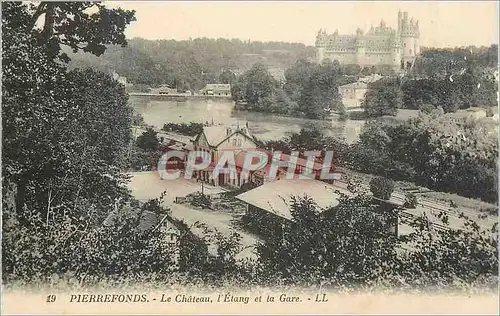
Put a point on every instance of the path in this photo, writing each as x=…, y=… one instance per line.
x=148, y=185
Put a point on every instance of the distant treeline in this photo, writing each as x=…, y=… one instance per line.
x=189, y=64
x=434, y=60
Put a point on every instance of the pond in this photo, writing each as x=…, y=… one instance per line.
x=263, y=125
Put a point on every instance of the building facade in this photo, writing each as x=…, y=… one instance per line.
x=213, y=141
x=381, y=45
x=217, y=89
x=163, y=89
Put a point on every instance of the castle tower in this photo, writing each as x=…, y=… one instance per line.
x=409, y=38
x=360, y=47
x=396, y=53
x=417, y=38
x=320, y=45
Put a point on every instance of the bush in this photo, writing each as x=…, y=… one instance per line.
x=489, y=112
x=148, y=140
x=427, y=108
x=410, y=200
x=381, y=187
x=200, y=200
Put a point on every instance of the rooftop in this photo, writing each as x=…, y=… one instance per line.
x=149, y=220
x=225, y=86
x=216, y=134
x=276, y=197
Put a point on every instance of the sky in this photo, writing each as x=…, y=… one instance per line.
x=442, y=24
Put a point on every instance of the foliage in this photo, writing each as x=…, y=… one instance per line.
x=310, y=90
x=351, y=246
x=138, y=159
x=190, y=64
x=148, y=140
x=319, y=94
x=383, y=97
x=256, y=87
x=439, y=62
x=468, y=88
x=381, y=187
x=83, y=250
x=410, y=200
x=64, y=134
x=452, y=79
x=227, y=76
x=451, y=257
x=70, y=24
x=344, y=246
x=191, y=129
x=198, y=199
x=435, y=151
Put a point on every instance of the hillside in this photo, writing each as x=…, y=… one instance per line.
x=190, y=64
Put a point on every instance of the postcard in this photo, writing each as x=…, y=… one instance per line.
x=230, y=157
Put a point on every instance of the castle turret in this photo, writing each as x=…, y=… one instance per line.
x=360, y=47
x=396, y=53
x=417, y=38
x=381, y=45
x=320, y=45
x=409, y=35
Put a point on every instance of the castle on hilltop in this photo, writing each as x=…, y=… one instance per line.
x=381, y=45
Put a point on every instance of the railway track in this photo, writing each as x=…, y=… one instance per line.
x=432, y=209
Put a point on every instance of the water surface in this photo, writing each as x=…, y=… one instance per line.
x=264, y=126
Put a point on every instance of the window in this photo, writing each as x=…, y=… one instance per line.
x=234, y=142
x=404, y=45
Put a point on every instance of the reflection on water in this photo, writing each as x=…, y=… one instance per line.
x=263, y=126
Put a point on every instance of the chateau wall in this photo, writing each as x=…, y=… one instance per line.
x=343, y=58
x=369, y=59
x=408, y=47
x=381, y=45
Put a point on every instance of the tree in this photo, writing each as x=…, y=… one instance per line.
x=352, y=69
x=432, y=150
x=381, y=187
x=59, y=128
x=70, y=23
x=256, y=87
x=227, y=76
x=148, y=140
x=64, y=132
x=297, y=76
x=366, y=71
x=309, y=138
x=346, y=246
x=319, y=96
x=384, y=97
x=464, y=256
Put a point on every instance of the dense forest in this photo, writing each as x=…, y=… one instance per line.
x=189, y=64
